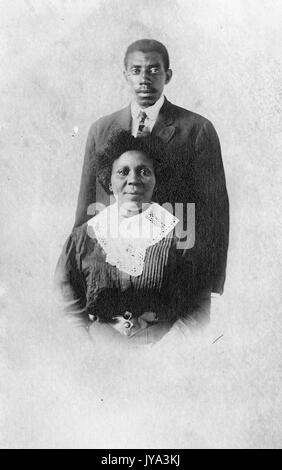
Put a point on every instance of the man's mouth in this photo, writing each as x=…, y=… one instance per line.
x=146, y=91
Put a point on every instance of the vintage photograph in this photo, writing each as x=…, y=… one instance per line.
x=141, y=228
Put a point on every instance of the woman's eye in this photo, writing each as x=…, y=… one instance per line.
x=123, y=171
x=145, y=172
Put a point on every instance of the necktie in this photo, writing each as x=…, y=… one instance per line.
x=142, y=130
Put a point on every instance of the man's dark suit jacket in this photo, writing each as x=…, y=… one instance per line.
x=196, y=175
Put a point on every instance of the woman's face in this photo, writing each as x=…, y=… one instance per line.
x=133, y=179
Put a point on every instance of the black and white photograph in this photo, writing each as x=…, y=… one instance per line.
x=141, y=249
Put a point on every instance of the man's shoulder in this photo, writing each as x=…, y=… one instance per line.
x=108, y=118
x=114, y=119
x=181, y=114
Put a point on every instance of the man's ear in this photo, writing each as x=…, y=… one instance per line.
x=168, y=76
x=125, y=75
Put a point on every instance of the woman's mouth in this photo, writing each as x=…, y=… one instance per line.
x=134, y=194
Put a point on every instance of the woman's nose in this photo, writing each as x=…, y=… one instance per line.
x=133, y=178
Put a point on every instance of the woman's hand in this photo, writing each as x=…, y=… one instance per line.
x=128, y=325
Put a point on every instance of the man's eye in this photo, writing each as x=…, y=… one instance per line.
x=135, y=71
x=154, y=70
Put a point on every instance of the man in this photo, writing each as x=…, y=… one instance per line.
x=193, y=153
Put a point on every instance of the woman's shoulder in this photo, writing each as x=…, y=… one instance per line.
x=83, y=235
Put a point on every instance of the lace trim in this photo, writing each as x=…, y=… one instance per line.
x=125, y=242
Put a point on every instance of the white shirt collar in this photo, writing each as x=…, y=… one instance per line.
x=152, y=111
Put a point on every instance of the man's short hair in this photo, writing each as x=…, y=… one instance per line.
x=148, y=45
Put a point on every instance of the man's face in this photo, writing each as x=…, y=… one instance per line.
x=146, y=76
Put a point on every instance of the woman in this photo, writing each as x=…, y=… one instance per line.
x=121, y=271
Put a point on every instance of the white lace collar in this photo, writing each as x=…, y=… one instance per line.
x=125, y=240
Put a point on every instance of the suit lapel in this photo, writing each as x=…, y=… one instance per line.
x=164, y=127
x=125, y=119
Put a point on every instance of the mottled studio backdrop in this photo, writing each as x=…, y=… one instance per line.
x=61, y=69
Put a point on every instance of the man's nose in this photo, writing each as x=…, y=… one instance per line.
x=144, y=76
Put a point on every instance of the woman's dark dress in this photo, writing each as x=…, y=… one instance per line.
x=102, y=290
